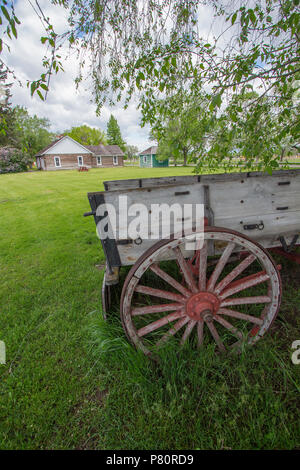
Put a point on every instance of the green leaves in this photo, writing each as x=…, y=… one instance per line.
x=114, y=136
x=5, y=13
x=13, y=28
x=86, y=135
x=33, y=87
x=44, y=86
x=161, y=86
x=216, y=101
x=36, y=85
x=40, y=95
x=50, y=39
x=252, y=16
x=139, y=78
x=12, y=20
x=28, y=133
x=182, y=125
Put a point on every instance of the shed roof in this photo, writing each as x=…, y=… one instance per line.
x=150, y=151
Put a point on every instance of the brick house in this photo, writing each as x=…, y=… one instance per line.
x=67, y=154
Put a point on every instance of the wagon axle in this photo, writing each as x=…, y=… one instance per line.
x=202, y=306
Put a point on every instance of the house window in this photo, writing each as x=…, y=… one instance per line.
x=99, y=161
x=115, y=160
x=145, y=159
x=80, y=161
x=57, y=162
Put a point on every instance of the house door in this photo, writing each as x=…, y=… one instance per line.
x=42, y=163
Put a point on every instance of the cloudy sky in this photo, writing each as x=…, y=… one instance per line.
x=65, y=106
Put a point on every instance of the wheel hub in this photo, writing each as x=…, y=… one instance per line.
x=202, y=306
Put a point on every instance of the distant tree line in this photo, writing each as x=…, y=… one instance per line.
x=21, y=135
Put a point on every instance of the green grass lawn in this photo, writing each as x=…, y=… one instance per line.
x=73, y=381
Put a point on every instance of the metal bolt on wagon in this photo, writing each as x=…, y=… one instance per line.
x=229, y=290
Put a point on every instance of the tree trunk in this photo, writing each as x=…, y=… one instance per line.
x=184, y=157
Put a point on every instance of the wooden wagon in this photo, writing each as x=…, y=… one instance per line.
x=229, y=290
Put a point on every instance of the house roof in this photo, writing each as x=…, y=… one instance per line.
x=40, y=152
x=150, y=151
x=105, y=150
x=48, y=147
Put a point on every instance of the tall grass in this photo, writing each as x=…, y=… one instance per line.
x=73, y=381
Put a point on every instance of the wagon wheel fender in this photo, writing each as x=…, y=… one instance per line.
x=212, y=295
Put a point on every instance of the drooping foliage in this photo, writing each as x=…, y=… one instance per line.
x=183, y=127
x=156, y=48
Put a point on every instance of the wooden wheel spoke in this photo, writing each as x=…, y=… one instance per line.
x=188, y=276
x=228, y=326
x=259, y=299
x=200, y=326
x=188, y=331
x=202, y=267
x=172, y=331
x=193, y=260
x=216, y=336
x=164, y=294
x=234, y=273
x=245, y=283
x=198, y=303
x=170, y=280
x=239, y=315
x=220, y=266
x=155, y=309
x=159, y=323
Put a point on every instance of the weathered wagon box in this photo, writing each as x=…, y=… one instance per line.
x=246, y=215
x=261, y=206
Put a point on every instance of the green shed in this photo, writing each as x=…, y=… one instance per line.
x=148, y=159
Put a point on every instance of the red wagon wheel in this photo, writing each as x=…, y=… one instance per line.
x=203, y=305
